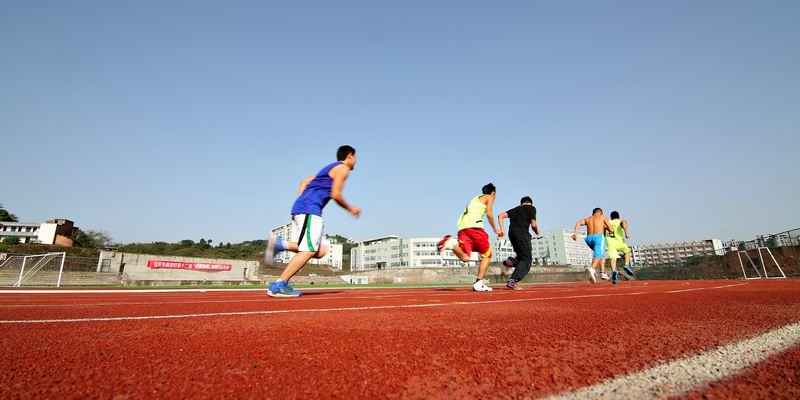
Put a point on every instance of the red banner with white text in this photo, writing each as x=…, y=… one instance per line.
x=191, y=266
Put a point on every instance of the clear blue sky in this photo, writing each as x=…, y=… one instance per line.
x=167, y=120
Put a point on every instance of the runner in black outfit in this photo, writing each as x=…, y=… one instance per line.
x=522, y=217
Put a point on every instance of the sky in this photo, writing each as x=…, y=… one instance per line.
x=171, y=120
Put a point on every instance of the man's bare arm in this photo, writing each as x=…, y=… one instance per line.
x=535, y=227
x=578, y=225
x=303, y=184
x=339, y=175
x=501, y=218
x=607, y=225
x=490, y=217
x=624, y=225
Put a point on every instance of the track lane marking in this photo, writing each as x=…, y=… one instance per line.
x=322, y=298
x=705, y=288
x=311, y=310
x=261, y=298
x=685, y=374
x=398, y=295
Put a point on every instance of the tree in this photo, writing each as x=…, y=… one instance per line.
x=6, y=216
x=92, y=239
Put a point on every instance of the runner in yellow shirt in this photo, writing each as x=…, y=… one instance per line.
x=616, y=242
x=472, y=236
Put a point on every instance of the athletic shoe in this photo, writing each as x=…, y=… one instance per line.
x=447, y=243
x=624, y=277
x=275, y=245
x=604, y=277
x=628, y=270
x=614, y=278
x=508, y=264
x=590, y=271
x=513, y=284
x=282, y=289
x=480, y=286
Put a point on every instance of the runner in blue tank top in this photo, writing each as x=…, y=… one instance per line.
x=307, y=238
x=317, y=194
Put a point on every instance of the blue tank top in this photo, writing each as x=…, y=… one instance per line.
x=317, y=193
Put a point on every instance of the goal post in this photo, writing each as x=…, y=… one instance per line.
x=33, y=270
x=761, y=251
x=751, y=264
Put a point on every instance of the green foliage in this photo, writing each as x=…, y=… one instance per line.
x=92, y=239
x=35, y=248
x=250, y=250
x=10, y=241
x=6, y=216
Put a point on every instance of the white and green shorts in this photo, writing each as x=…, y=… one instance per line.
x=307, y=232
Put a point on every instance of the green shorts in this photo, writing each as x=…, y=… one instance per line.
x=614, y=247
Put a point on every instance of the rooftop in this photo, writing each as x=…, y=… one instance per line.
x=24, y=224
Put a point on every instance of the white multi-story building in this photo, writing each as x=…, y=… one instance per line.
x=668, y=253
x=53, y=232
x=332, y=258
x=778, y=240
x=502, y=249
x=556, y=247
x=395, y=252
x=24, y=232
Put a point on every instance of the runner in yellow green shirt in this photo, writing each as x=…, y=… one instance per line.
x=616, y=242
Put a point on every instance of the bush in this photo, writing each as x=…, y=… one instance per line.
x=10, y=240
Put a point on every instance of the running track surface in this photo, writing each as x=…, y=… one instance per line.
x=544, y=340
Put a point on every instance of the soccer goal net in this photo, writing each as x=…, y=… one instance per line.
x=761, y=266
x=32, y=270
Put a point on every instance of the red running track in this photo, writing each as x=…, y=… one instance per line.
x=386, y=343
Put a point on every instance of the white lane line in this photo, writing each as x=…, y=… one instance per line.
x=313, y=310
x=150, y=303
x=713, y=287
x=126, y=304
x=678, y=377
x=262, y=298
x=305, y=299
x=554, y=286
x=112, y=291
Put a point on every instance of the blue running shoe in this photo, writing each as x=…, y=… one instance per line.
x=614, y=277
x=628, y=270
x=282, y=289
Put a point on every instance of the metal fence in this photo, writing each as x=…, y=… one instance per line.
x=770, y=256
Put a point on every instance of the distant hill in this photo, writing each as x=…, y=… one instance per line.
x=248, y=250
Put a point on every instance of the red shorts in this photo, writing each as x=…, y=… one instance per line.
x=475, y=239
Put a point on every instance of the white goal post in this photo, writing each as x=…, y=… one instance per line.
x=35, y=270
x=752, y=265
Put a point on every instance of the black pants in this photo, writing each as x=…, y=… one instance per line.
x=522, y=246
